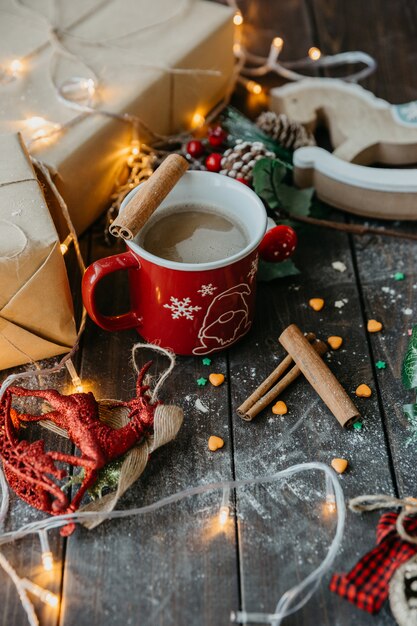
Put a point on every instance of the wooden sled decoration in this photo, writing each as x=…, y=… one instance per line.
x=367, y=191
x=363, y=129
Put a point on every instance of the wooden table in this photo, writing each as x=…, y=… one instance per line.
x=175, y=567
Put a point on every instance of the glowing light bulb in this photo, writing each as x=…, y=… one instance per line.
x=66, y=244
x=223, y=515
x=46, y=596
x=135, y=147
x=36, y=122
x=314, y=53
x=224, y=511
x=42, y=128
x=47, y=556
x=16, y=66
x=330, y=504
x=48, y=561
x=76, y=380
x=253, y=87
x=198, y=120
x=238, y=19
x=278, y=42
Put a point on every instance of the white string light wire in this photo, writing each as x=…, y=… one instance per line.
x=260, y=66
x=290, y=602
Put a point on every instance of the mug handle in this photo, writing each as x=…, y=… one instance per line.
x=92, y=276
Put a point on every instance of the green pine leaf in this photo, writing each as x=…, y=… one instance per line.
x=409, y=368
x=410, y=411
x=240, y=127
x=271, y=271
x=295, y=201
x=267, y=177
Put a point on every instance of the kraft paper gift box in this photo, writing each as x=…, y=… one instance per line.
x=191, y=34
x=36, y=313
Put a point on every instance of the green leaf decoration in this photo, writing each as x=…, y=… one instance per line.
x=267, y=177
x=410, y=411
x=268, y=182
x=295, y=201
x=240, y=127
x=409, y=368
x=108, y=479
x=271, y=271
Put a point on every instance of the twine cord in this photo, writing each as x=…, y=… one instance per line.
x=407, y=506
x=168, y=353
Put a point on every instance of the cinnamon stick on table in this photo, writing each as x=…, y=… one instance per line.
x=319, y=376
x=318, y=347
x=268, y=382
x=149, y=196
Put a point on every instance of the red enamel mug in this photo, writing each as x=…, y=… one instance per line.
x=191, y=308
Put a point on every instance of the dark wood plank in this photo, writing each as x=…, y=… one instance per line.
x=172, y=567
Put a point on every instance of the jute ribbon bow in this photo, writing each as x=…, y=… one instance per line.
x=167, y=422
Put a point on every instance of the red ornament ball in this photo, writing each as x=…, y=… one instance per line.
x=217, y=136
x=213, y=162
x=195, y=148
x=243, y=181
x=278, y=244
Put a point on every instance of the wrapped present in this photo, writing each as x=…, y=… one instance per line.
x=36, y=313
x=160, y=60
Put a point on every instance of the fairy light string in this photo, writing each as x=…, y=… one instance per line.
x=291, y=601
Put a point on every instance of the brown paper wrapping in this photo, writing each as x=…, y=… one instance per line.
x=88, y=156
x=36, y=314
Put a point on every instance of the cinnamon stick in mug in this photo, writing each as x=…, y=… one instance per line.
x=319, y=346
x=150, y=195
x=319, y=375
x=268, y=382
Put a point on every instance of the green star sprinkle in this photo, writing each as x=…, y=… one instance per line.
x=201, y=382
x=399, y=276
x=381, y=365
x=206, y=361
x=357, y=425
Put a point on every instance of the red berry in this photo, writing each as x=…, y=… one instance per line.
x=213, y=162
x=243, y=180
x=195, y=148
x=217, y=136
x=278, y=244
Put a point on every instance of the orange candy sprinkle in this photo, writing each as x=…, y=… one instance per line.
x=280, y=408
x=339, y=465
x=374, y=326
x=334, y=342
x=316, y=303
x=363, y=391
x=215, y=443
x=216, y=379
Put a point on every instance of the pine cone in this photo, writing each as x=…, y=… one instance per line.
x=239, y=161
x=291, y=135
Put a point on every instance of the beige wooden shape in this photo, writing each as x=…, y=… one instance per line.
x=363, y=129
x=367, y=191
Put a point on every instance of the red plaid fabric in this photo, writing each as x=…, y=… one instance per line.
x=366, y=585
